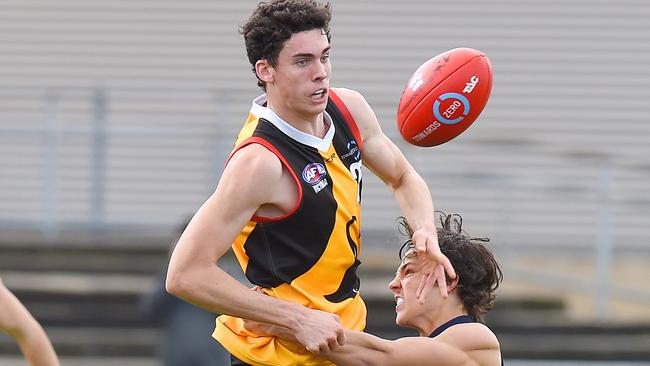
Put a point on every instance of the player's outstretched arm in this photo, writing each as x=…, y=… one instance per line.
x=16, y=320
x=476, y=347
x=250, y=180
x=386, y=161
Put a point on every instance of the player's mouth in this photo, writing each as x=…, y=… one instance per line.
x=319, y=95
x=398, y=301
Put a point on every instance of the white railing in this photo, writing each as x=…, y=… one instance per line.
x=101, y=160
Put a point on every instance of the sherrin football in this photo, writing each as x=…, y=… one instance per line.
x=444, y=97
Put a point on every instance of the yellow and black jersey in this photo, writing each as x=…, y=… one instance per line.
x=310, y=255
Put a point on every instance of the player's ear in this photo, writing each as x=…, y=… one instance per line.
x=264, y=71
x=452, y=284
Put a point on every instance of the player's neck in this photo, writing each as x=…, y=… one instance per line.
x=313, y=124
x=449, y=311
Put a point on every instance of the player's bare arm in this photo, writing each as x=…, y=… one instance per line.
x=385, y=160
x=193, y=274
x=16, y=321
x=467, y=345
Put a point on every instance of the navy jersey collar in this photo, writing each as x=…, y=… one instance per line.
x=457, y=320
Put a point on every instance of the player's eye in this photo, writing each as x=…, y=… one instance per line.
x=408, y=272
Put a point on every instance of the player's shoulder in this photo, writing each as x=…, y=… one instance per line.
x=345, y=93
x=351, y=98
x=470, y=337
x=255, y=161
x=359, y=108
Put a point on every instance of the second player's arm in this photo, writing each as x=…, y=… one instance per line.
x=250, y=181
x=467, y=347
x=455, y=347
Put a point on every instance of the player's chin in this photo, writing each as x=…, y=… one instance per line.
x=316, y=108
x=400, y=320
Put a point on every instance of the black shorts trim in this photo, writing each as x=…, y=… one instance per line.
x=234, y=361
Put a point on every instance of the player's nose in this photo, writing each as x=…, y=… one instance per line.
x=394, y=285
x=320, y=71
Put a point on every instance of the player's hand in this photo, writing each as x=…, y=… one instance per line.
x=435, y=265
x=267, y=329
x=320, y=331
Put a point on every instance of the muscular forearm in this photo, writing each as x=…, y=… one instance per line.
x=361, y=349
x=216, y=291
x=414, y=199
x=314, y=329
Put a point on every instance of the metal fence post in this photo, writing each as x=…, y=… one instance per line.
x=602, y=286
x=99, y=159
x=49, y=226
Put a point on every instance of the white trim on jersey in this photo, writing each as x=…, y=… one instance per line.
x=258, y=110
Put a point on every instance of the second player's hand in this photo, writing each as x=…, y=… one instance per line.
x=320, y=331
x=265, y=329
x=435, y=265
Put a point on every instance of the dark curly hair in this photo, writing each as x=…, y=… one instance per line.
x=273, y=22
x=479, y=274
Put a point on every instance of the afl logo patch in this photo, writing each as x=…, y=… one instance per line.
x=314, y=173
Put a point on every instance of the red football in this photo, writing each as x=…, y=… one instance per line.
x=444, y=96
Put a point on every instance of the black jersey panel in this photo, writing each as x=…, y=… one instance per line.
x=281, y=251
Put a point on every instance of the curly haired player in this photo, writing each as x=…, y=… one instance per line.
x=450, y=328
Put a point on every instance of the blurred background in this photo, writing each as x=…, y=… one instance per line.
x=116, y=118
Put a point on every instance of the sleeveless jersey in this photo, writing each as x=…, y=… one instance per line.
x=462, y=319
x=310, y=255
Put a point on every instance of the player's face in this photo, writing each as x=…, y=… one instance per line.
x=301, y=76
x=410, y=311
